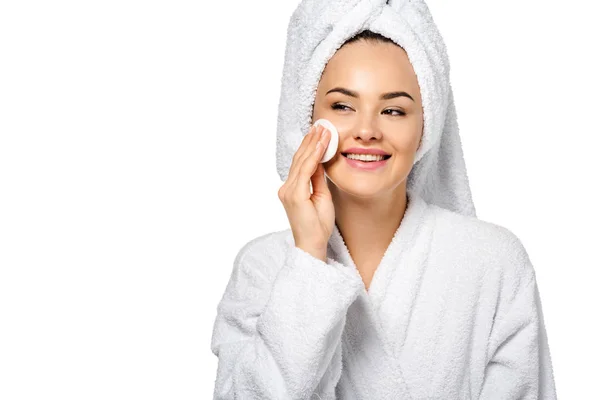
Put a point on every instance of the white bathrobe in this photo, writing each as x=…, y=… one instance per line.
x=453, y=312
x=453, y=309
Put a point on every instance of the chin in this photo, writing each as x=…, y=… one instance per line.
x=363, y=185
x=357, y=186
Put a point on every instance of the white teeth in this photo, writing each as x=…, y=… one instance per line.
x=365, y=157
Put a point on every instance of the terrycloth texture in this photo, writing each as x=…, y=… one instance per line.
x=453, y=309
x=452, y=312
x=318, y=28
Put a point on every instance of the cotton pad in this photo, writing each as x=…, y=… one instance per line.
x=333, y=141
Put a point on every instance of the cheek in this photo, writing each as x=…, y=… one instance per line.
x=405, y=143
x=408, y=137
x=401, y=132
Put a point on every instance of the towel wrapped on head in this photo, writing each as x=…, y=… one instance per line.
x=453, y=310
x=317, y=29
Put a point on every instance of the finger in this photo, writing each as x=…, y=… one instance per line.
x=319, y=183
x=296, y=160
x=308, y=168
x=312, y=145
x=305, y=150
x=298, y=154
x=303, y=144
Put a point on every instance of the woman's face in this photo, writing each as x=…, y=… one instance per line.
x=365, y=71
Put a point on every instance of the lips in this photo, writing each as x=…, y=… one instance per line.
x=362, y=150
x=385, y=156
x=366, y=165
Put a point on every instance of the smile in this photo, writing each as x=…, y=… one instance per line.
x=366, y=164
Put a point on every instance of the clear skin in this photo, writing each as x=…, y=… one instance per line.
x=367, y=206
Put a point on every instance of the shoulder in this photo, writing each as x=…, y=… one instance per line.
x=267, y=245
x=496, y=249
x=264, y=254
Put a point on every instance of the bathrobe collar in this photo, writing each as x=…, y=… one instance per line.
x=376, y=324
x=404, y=257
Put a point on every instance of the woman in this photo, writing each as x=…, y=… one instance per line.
x=386, y=285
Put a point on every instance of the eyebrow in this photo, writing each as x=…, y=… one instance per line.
x=385, y=96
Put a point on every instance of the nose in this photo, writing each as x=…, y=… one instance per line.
x=366, y=131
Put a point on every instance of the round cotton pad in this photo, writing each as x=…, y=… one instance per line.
x=333, y=141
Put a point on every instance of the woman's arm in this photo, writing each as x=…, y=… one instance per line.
x=519, y=364
x=275, y=337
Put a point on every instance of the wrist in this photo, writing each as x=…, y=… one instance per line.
x=316, y=252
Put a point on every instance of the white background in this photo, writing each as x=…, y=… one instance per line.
x=137, y=156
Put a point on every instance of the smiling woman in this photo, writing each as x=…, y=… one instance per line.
x=386, y=285
x=354, y=94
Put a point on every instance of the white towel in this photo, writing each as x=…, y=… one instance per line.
x=453, y=309
x=318, y=28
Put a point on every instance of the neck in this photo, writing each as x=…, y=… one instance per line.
x=368, y=224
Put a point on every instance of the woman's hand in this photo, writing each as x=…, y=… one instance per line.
x=311, y=216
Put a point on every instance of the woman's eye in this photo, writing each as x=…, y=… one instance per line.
x=342, y=107
x=400, y=113
x=339, y=107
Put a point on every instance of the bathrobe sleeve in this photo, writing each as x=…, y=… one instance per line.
x=519, y=364
x=277, y=335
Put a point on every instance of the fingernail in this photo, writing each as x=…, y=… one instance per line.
x=323, y=133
